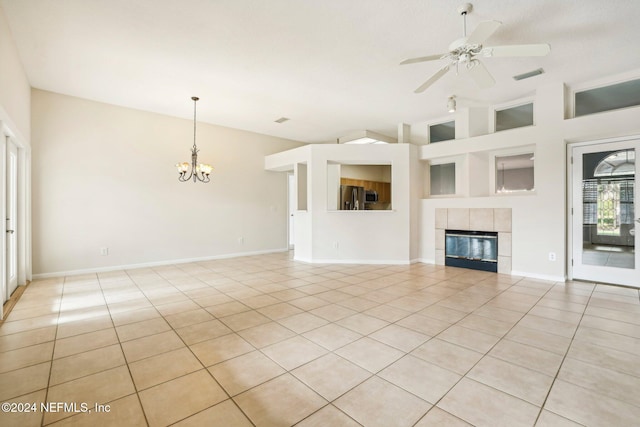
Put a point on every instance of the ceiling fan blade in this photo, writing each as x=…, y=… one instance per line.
x=441, y=72
x=517, y=50
x=422, y=59
x=483, y=31
x=481, y=75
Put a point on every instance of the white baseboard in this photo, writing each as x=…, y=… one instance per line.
x=153, y=264
x=548, y=277
x=268, y=251
x=353, y=261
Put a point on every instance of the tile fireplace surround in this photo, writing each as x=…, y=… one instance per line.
x=476, y=219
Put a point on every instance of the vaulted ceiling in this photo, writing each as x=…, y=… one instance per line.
x=330, y=66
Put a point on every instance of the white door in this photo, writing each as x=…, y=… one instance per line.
x=292, y=203
x=604, y=187
x=12, y=214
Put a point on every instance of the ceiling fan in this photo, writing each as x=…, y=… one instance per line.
x=465, y=51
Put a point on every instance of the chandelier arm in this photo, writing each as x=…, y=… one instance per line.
x=199, y=176
x=184, y=178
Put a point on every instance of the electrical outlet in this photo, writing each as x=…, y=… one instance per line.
x=104, y=251
x=552, y=256
x=241, y=240
x=335, y=245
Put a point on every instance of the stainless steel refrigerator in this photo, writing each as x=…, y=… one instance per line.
x=351, y=198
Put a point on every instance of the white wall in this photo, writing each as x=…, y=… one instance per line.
x=407, y=233
x=539, y=219
x=15, y=90
x=324, y=234
x=417, y=182
x=15, y=122
x=104, y=176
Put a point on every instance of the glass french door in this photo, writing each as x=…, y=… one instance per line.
x=605, y=220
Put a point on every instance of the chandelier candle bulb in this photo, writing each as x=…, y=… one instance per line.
x=182, y=167
x=206, y=169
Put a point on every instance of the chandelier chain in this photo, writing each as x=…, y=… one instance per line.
x=195, y=100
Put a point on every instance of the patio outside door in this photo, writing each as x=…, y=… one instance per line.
x=605, y=221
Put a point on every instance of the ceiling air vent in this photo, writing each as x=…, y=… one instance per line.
x=281, y=120
x=529, y=74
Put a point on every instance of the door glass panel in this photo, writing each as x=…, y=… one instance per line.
x=608, y=180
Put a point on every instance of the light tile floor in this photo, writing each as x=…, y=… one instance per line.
x=267, y=341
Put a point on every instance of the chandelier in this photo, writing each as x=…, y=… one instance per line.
x=199, y=172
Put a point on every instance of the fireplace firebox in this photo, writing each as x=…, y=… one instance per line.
x=477, y=250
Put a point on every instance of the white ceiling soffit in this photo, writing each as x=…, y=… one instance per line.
x=330, y=66
x=366, y=137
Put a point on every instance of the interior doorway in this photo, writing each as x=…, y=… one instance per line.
x=604, y=188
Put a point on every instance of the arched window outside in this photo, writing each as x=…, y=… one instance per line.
x=617, y=164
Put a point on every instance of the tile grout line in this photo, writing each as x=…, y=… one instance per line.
x=375, y=374
x=459, y=291
x=185, y=344
x=542, y=407
x=163, y=316
x=53, y=351
x=135, y=387
x=435, y=404
x=487, y=352
x=260, y=292
x=199, y=361
x=290, y=372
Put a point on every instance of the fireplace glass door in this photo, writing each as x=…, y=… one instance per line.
x=477, y=250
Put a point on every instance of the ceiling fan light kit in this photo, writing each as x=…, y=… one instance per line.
x=464, y=52
x=451, y=104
